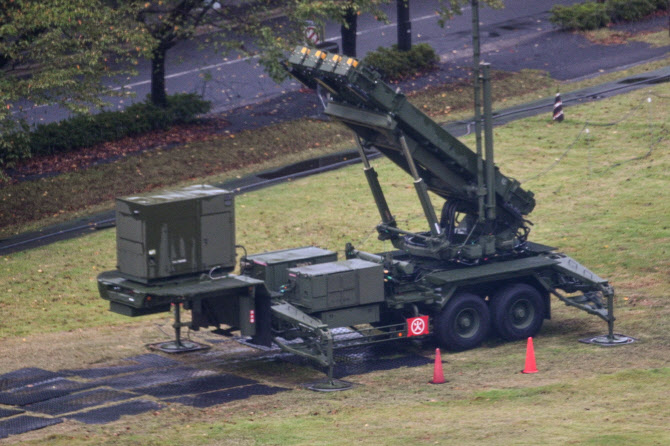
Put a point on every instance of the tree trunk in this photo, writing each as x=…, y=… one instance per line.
x=348, y=32
x=158, y=93
x=404, y=26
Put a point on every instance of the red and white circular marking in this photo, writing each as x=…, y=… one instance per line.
x=418, y=327
x=312, y=35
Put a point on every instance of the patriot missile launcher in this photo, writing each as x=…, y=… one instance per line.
x=472, y=272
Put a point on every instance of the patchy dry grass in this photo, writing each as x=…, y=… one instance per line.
x=607, y=36
x=656, y=39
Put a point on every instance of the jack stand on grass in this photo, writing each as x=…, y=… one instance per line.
x=331, y=384
x=611, y=339
x=178, y=345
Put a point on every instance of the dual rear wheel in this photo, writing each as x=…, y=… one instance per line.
x=516, y=311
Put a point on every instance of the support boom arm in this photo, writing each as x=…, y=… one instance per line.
x=438, y=162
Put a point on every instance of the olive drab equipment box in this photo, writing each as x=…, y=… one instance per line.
x=176, y=232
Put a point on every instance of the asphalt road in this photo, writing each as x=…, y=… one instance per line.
x=230, y=82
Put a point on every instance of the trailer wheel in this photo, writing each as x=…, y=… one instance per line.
x=463, y=323
x=517, y=311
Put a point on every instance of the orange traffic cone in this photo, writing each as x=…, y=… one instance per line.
x=438, y=375
x=530, y=358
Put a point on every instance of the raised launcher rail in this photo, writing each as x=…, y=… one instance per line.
x=383, y=119
x=492, y=234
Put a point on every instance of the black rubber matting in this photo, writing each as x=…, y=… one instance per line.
x=343, y=369
x=365, y=359
x=153, y=360
x=113, y=413
x=4, y=413
x=103, y=372
x=41, y=392
x=153, y=377
x=226, y=396
x=78, y=401
x=25, y=423
x=136, y=364
x=24, y=377
x=198, y=385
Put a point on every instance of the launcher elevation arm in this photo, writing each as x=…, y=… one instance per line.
x=438, y=162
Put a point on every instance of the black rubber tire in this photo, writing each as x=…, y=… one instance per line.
x=517, y=311
x=463, y=323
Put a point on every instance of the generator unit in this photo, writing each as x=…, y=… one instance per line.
x=175, y=232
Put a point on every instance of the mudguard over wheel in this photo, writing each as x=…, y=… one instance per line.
x=463, y=323
x=517, y=311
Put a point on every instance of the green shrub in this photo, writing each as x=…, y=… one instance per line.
x=589, y=15
x=87, y=130
x=14, y=143
x=583, y=16
x=630, y=10
x=394, y=64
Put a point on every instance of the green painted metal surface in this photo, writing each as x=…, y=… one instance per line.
x=272, y=267
x=335, y=285
x=374, y=110
x=175, y=232
x=382, y=118
x=492, y=271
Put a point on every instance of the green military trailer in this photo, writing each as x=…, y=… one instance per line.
x=473, y=271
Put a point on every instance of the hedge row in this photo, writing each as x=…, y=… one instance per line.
x=590, y=15
x=87, y=130
x=394, y=64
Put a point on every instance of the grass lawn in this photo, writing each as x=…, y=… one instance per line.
x=603, y=198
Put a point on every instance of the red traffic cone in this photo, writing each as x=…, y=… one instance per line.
x=530, y=358
x=438, y=375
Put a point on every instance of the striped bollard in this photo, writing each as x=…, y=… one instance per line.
x=558, y=108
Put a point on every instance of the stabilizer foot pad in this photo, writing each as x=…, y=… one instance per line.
x=330, y=385
x=607, y=341
x=178, y=347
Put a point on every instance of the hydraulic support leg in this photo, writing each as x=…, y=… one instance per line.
x=178, y=345
x=421, y=190
x=375, y=187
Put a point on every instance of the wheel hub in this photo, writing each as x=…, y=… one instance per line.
x=467, y=322
x=522, y=314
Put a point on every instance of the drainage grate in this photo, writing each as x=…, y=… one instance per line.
x=78, y=401
x=225, y=396
x=113, y=413
x=199, y=385
x=40, y=392
x=24, y=377
x=25, y=423
x=154, y=377
x=4, y=413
